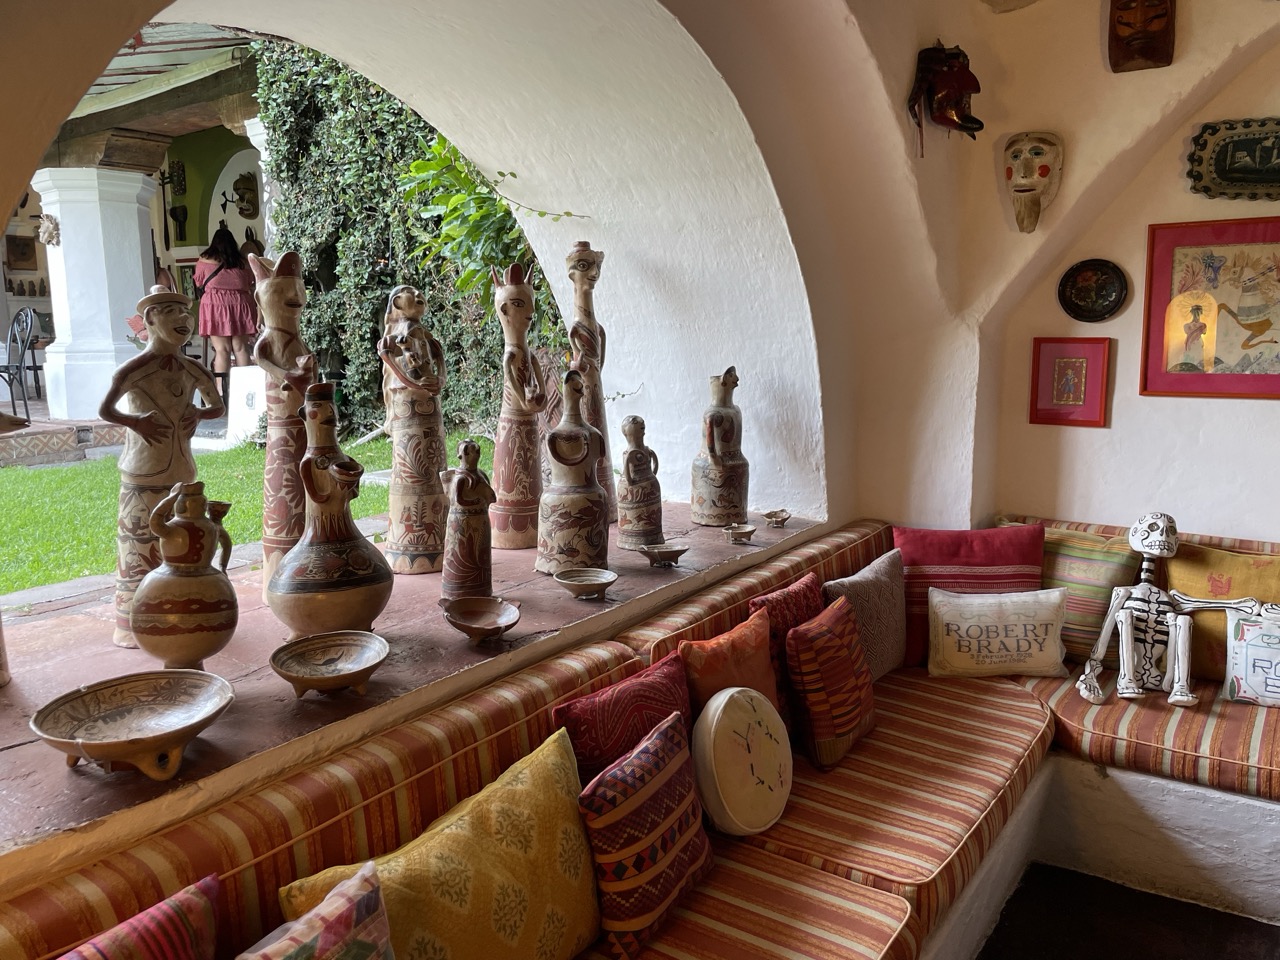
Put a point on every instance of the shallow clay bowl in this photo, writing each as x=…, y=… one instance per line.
x=586, y=583
x=481, y=618
x=777, y=518
x=664, y=554
x=143, y=719
x=738, y=532
x=330, y=661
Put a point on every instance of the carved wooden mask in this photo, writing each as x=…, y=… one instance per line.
x=1140, y=34
x=943, y=85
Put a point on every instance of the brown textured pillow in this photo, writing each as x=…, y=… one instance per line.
x=876, y=594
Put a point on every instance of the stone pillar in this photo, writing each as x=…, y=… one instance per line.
x=256, y=131
x=96, y=276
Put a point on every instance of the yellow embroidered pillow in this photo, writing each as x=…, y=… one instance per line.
x=507, y=873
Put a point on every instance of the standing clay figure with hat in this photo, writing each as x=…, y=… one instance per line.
x=290, y=367
x=517, y=473
x=152, y=395
x=720, y=471
x=468, y=557
x=573, y=519
x=639, y=494
x=413, y=376
x=588, y=339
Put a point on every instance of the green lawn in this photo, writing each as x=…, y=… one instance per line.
x=59, y=523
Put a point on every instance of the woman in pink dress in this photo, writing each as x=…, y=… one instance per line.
x=228, y=315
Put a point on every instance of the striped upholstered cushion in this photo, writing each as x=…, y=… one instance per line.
x=916, y=804
x=357, y=804
x=1262, y=547
x=715, y=610
x=1217, y=743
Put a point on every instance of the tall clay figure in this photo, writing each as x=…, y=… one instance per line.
x=573, y=519
x=290, y=367
x=517, y=473
x=413, y=376
x=639, y=494
x=157, y=388
x=720, y=471
x=588, y=340
x=468, y=558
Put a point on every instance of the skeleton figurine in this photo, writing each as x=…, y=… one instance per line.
x=1155, y=628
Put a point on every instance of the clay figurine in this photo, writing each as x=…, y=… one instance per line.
x=290, y=367
x=333, y=578
x=1032, y=173
x=152, y=396
x=468, y=558
x=413, y=376
x=720, y=471
x=588, y=340
x=943, y=87
x=186, y=609
x=639, y=495
x=573, y=522
x=517, y=473
x=1140, y=34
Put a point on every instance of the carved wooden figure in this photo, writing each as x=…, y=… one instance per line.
x=152, y=395
x=1140, y=34
x=588, y=339
x=639, y=494
x=517, y=473
x=720, y=471
x=468, y=558
x=573, y=519
x=414, y=375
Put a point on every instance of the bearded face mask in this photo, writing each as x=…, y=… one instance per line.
x=1032, y=173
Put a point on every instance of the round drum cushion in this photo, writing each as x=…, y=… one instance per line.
x=742, y=760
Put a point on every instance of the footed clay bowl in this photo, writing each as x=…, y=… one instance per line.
x=739, y=532
x=666, y=554
x=330, y=661
x=777, y=518
x=481, y=618
x=142, y=719
x=586, y=583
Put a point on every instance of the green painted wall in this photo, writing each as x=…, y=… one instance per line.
x=205, y=154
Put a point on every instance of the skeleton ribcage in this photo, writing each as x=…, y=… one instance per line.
x=1150, y=616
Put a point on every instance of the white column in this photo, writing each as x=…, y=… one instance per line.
x=256, y=131
x=97, y=274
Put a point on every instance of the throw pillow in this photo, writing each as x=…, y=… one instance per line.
x=742, y=760
x=788, y=607
x=738, y=658
x=833, y=685
x=182, y=927
x=644, y=823
x=1000, y=560
x=1212, y=574
x=605, y=725
x=349, y=922
x=1008, y=634
x=876, y=594
x=505, y=873
x=1253, y=660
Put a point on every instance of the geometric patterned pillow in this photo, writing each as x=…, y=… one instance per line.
x=879, y=605
x=182, y=927
x=644, y=824
x=788, y=607
x=349, y=923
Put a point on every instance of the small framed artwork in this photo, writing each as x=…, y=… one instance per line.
x=20, y=253
x=1069, y=377
x=1211, y=327
x=187, y=279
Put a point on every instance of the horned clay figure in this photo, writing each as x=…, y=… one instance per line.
x=720, y=471
x=573, y=524
x=157, y=389
x=414, y=375
x=517, y=473
x=1154, y=625
x=468, y=557
x=639, y=494
x=588, y=339
x=1032, y=173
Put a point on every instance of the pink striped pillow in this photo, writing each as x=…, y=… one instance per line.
x=179, y=928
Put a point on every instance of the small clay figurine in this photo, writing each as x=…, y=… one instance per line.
x=639, y=494
x=468, y=558
x=573, y=519
x=1032, y=173
x=720, y=471
x=157, y=389
x=1140, y=34
x=943, y=86
x=588, y=339
x=414, y=375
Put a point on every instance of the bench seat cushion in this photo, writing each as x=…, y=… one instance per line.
x=917, y=803
x=1216, y=743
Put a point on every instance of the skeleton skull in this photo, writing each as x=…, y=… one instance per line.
x=1154, y=535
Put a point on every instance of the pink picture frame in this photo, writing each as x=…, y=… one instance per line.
x=1070, y=377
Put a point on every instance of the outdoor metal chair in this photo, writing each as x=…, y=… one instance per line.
x=41, y=336
x=13, y=370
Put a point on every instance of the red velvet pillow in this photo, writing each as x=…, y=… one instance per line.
x=999, y=560
x=605, y=725
x=788, y=607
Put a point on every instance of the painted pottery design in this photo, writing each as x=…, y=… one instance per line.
x=413, y=376
x=330, y=661
x=290, y=367
x=552, y=376
x=468, y=559
x=719, y=495
x=588, y=339
x=573, y=518
x=186, y=609
x=639, y=495
x=152, y=395
x=333, y=578
x=517, y=474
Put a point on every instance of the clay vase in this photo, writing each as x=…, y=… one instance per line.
x=588, y=338
x=468, y=554
x=186, y=609
x=719, y=495
x=639, y=495
x=573, y=514
x=333, y=579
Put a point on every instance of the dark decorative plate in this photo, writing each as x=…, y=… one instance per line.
x=1092, y=290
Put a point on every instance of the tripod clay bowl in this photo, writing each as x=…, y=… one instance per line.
x=666, y=554
x=586, y=583
x=481, y=618
x=330, y=661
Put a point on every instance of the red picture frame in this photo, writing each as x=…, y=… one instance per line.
x=1070, y=377
x=1212, y=313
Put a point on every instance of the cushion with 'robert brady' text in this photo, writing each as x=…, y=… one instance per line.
x=992, y=635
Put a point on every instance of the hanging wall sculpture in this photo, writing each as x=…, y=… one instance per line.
x=152, y=396
x=573, y=519
x=468, y=557
x=943, y=87
x=1140, y=34
x=639, y=494
x=720, y=471
x=588, y=339
x=1032, y=174
x=413, y=377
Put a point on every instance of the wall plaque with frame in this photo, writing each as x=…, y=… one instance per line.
x=1069, y=378
x=20, y=253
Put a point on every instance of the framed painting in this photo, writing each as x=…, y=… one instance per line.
x=1069, y=380
x=187, y=279
x=20, y=253
x=1211, y=327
